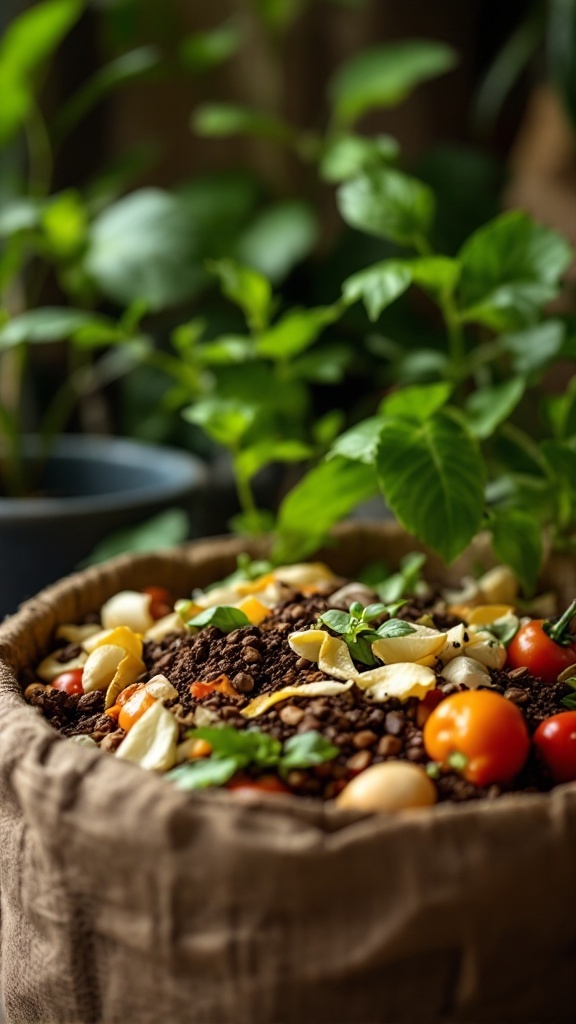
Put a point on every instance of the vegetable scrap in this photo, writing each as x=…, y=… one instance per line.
x=293, y=681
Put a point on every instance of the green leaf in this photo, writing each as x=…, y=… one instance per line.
x=325, y=364
x=278, y=238
x=47, y=324
x=561, y=411
x=326, y=495
x=223, y=617
x=535, y=347
x=203, y=51
x=488, y=407
x=227, y=351
x=216, y=120
x=279, y=15
x=403, y=583
x=225, y=420
x=511, y=268
x=162, y=531
x=436, y=275
x=432, y=476
x=569, y=702
x=378, y=286
x=386, y=75
x=349, y=155
x=128, y=67
x=418, y=403
x=306, y=750
x=338, y=622
x=360, y=443
x=205, y=772
x=395, y=627
x=251, y=460
x=516, y=539
x=561, y=459
x=142, y=247
x=248, y=747
x=21, y=214
x=248, y=289
x=294, y=332
x=65, y=225
x=388, y=204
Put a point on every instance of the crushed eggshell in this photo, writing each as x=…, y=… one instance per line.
x=423, y=643
x=120, y=636
x=401, y=680
x=487, y=651
x=128, y=608
x=151, y=743
x=50, y=667
x=323, y=688
x=76, y=634
x=467, y=672
x=161, y=688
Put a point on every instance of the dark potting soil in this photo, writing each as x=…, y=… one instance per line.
x=258, y=660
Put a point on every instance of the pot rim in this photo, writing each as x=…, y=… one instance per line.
x=180, y=473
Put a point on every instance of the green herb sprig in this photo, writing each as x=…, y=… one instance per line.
x=233, y=751
x=224, y=617
x=355, y=627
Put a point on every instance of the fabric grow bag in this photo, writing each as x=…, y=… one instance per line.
x=127, y=902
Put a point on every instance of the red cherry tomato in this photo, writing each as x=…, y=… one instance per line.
x=263, y=784
x=480, y=734
x=162, y=602
x=70, y=681
x=544, y=648
x=555, y=741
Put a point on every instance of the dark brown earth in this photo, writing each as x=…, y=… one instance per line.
x=259, y=660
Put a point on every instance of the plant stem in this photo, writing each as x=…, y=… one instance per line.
x=455, y=335
x=40, y=156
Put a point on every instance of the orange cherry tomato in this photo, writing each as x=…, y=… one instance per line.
x=128, y=692
x=162, y=602
x=263, y=784
x=480, y=734
x=555, y=741
x=70, y=681
x=134, y=708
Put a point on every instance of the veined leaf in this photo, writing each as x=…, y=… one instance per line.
x=488, y=407
x=360, y=443
x=254, y=458
x=248, y=289
x=389, y=204
x=294, y=332
x=48, y=324
x=535, y=347
x=225, y=420
x=378, y=286
x=432, y=476
x=418, y=402
x=350, y=155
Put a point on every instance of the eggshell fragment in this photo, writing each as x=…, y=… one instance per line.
x=101, y=666
x=172, y=623
x=466, y=672
x=151, y=743
x=392, y=786
x=51, y=667
x=127, y=608
x=423, y=643
x=161, y=688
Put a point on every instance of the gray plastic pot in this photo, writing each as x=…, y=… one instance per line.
x=92, y=486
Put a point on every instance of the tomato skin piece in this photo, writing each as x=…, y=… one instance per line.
x=531, y=648
x=162, y=602
x=263, y=784
x=488, y=730
x=70, y=681
x=555, y=742
x=134, y=708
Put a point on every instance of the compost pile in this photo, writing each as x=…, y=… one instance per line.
x=301, y=682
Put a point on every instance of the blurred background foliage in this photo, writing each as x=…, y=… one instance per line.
x=146, y=146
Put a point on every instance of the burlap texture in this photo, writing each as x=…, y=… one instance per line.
x=124, y=901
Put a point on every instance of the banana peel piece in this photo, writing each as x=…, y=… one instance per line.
x=323, y=688
x=120, y=636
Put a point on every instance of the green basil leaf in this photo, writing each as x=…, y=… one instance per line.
x=48, y=324
x=225, y=420
x=386, y=75
x=248, y=289
x=295, y=332
x=517, y=541
x=511, y=268
x=561, y=460
x=248, y=747
x=418, y=402
x=432, y=476
x=339, y=622
x=372, y=611
x=378, y=286
x=253, y=459
x=205, y=772
x=350, y=155
x=388, y=204
x=395, y=627
x=360, y=647
x=569, y=702
x=403, y=583
x=217, y=120
x=436, y=275
x=360, y=443
x=224, y=617
x=306, y=750
x=488, y=407
x=321, y=499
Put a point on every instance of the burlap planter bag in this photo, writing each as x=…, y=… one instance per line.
x=126, y=901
